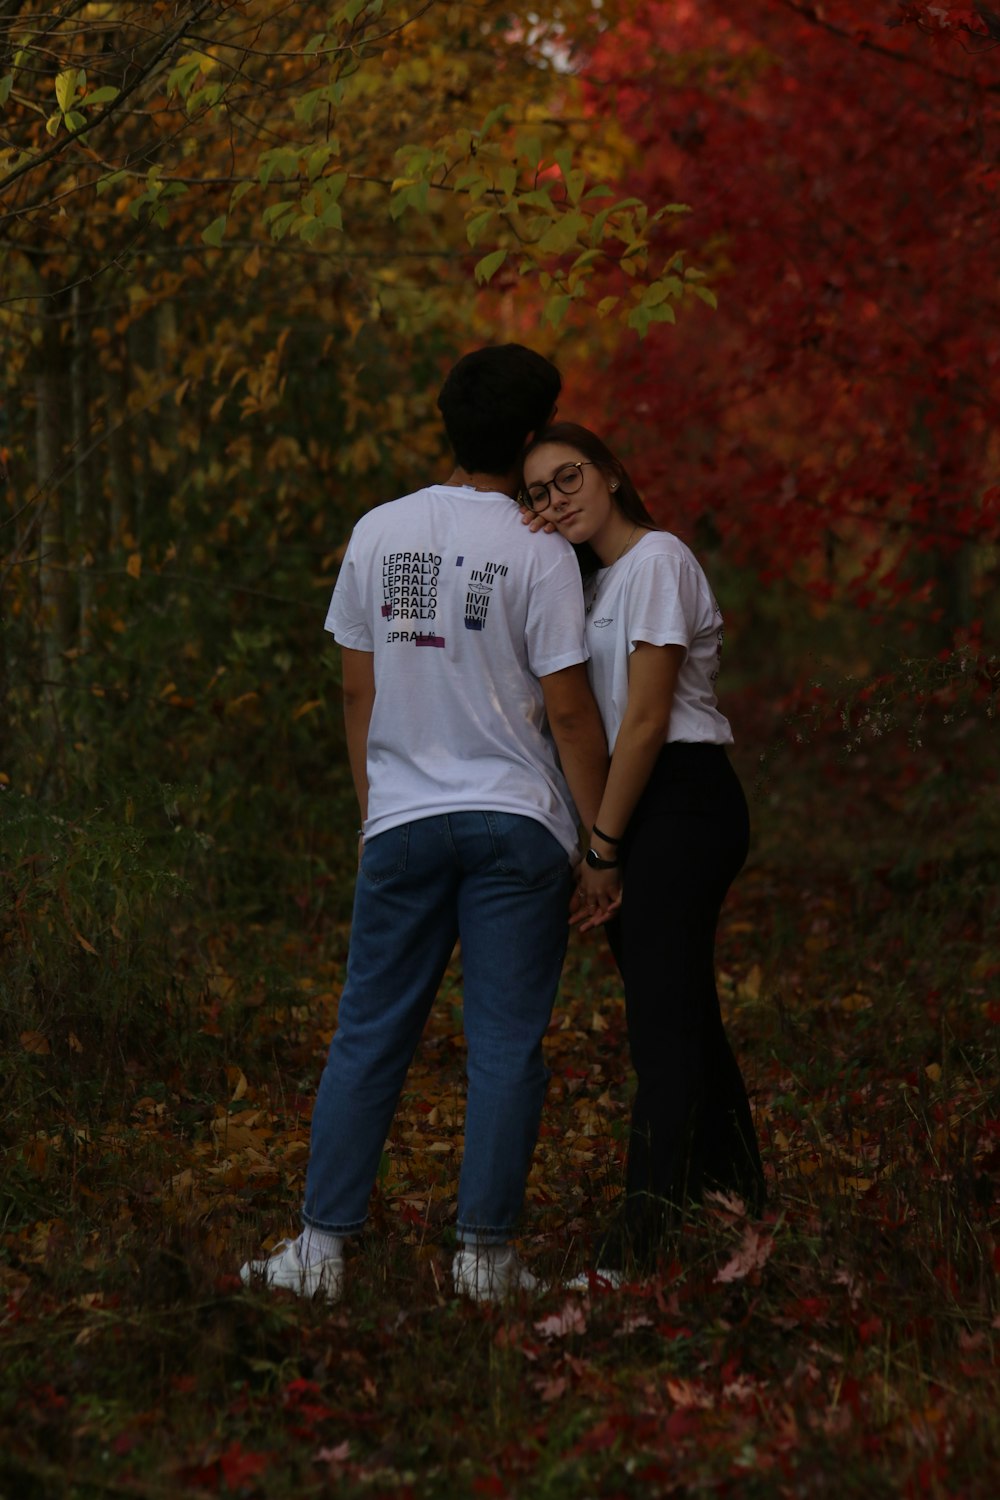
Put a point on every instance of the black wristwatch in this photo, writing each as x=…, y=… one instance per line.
x=594, y=860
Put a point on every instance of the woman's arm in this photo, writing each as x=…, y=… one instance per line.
x=652, y=679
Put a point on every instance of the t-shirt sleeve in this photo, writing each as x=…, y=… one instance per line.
x=347, y=619
x=665, y=602
x=554, y=629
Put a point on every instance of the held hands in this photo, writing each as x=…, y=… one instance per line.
x=596, y=899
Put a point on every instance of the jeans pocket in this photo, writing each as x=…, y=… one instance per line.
x=527, y=851
x=385, y=855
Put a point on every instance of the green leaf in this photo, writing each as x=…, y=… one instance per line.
x=706, y=296
x=75, y=121
x=597, y=225
x=563, y=234
x=475, y=227
x=492, y=118
x=317, y=160
x=606, y=305
x=276, y=211
x=575, y=184
x=669, y=286
x=102, y=96
x=105, y=184
x=530, y=147
x=215, y=231
x=52, y=124
x=282, y=160
x=489, y=265
x=599, y=190
x=306, y=106
x=586, y=259
x=239, y=192
x=181, y=79
x=332, y=217
x=335, y=184
x=206, y=97
x=66, y=88
x=537, y=198
x=6, y=84
x=556, y=308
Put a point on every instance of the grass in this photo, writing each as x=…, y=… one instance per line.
x=845, y=1344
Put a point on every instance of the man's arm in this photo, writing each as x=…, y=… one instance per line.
x=576, y=727
x=359, y=696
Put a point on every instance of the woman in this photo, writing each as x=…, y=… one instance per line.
x=670, y=836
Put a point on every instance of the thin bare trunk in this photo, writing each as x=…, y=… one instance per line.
x=83, y=473
x=55, y=613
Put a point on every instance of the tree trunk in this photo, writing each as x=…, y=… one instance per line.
x=55, y=614
x=83, y=472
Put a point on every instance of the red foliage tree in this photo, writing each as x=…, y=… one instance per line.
x=837, y=418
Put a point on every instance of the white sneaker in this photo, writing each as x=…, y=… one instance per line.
x=600, y=1280
x=489, y=1273
x=285, y=1268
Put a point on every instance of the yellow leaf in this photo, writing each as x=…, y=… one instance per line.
x=33, y=1041
x=933, y=1071
x=306, y=708
x=252, y=263
x=75, y=1044
x=134, y=565
x=749, y=988
x=87, y=947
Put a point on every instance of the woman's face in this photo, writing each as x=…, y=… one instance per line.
x=583, y=513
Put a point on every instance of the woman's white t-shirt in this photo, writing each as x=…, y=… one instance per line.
x=657, y=593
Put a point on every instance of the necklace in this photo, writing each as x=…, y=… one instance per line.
x=607, y=570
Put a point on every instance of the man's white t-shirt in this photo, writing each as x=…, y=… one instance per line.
x=657, y=593
x=464, y=611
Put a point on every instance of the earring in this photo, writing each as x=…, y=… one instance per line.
x=613, y=485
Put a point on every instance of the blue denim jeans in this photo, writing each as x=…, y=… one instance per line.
x=501, y=884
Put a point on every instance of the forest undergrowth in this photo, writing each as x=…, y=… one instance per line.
x=155, y=1132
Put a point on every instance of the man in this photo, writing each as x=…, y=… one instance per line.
x=464, y=678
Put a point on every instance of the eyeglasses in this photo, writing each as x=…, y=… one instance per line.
x=567, y=479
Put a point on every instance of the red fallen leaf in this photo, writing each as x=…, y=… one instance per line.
x=599, y=1437
x=238, y=1466
x=752, y=1254
x=869, y=1328
x=338, y=1455
x=850, y=1394
x=569, y=1319
x=299, y=1390
x=680, y=1424
x=489, y=1484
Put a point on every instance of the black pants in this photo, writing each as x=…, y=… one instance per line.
x=691, y=1123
